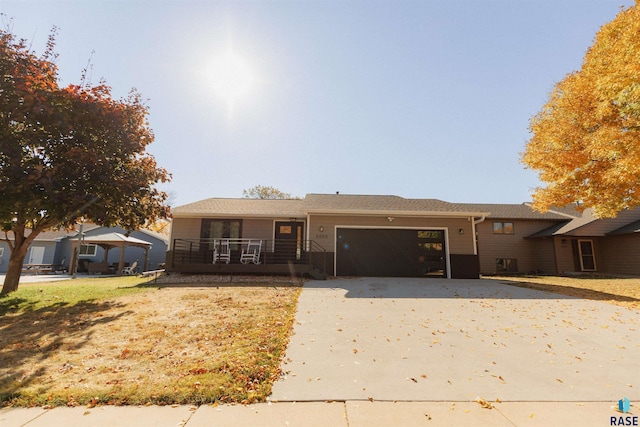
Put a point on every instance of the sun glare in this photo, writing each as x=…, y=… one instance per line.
x=231, y=77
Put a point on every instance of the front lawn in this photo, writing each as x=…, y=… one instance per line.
x=620, y=291
x=121, y=341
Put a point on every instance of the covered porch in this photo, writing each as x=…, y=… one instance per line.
x=247, y=256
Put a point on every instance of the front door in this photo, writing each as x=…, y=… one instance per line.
x=289, y=241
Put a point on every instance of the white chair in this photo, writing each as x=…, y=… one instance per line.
x=221, y=251
x=252, y=252
x=131, y=269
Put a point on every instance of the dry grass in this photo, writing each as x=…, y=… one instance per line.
x=621, y=291
x=153, y=344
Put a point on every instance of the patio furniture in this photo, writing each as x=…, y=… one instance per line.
x=221, y=251
x=98, y=268
x=252, y=252
x=131, y=269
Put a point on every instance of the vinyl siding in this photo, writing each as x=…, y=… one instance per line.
x=185, y=228
x=621, y=254
x=252, y=228
x=531, y=254
x=458, y=243
x=564, y=255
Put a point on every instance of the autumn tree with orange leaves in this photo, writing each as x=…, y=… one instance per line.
x=68, y=153
x=586, y=138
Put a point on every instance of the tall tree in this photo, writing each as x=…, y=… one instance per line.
x=265, y=192
x=68, y=153
x=586, y=138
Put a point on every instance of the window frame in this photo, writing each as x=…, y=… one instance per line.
x=205, y=231
x=509, y=262
x=88, y=254
x=582, y=255
x=503, y=227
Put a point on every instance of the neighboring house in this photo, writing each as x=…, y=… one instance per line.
x=367, y=235
x=55, y=247
x=45, y=249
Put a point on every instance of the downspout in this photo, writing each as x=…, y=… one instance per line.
x=475, y=222
x=308, y=240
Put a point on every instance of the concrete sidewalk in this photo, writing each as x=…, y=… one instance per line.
x=322, y=414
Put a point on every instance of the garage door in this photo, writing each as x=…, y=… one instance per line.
x=390, y=252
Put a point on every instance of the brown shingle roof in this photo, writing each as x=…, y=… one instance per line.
x=350, y=203
x=520, y=211
x=361, y=204
x=241, y=207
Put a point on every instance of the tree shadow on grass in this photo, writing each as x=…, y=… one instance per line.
x=575, y=292
x=29, y=337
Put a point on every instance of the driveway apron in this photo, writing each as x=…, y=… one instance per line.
x=457, y=340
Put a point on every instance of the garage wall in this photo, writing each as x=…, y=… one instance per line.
x=459, y=243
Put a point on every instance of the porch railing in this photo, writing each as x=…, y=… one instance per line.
x=273, y=252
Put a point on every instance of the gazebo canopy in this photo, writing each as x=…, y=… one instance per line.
x=114, y=240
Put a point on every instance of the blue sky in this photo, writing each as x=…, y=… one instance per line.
x=421, y=99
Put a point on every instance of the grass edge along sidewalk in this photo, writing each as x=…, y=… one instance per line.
x=126, y=341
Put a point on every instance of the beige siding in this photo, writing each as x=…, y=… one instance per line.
x=544, y=261
x=257, y=229
x=620, y=255
x=252, y=228
x=492, y=246
x=564, y=255
x=459, y=243
x=185, y=228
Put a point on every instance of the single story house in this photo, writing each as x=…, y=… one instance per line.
x=374, y=235
x=56, y=248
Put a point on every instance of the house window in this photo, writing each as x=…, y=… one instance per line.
x=587, y=255
x=503, y=228
x=88, y=250
x=221, y=229
x=506, y=265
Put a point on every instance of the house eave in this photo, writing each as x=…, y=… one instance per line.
x=398, y=213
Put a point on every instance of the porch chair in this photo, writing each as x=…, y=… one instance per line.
x=131, y=269
x=252, y=252
x=221, y=251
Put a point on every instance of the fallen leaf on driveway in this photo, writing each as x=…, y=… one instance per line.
x=482, y=402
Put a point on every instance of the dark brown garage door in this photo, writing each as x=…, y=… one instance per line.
x=390, y=252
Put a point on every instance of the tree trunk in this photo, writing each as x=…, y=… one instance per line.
x=16, y=261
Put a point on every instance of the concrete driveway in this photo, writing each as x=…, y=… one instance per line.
x=455, y=340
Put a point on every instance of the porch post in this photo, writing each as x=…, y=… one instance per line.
x=121, y=262
x=146, y=258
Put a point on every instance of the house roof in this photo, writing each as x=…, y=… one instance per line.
x=362, y=205
x=241, y=207
x=523, y=211
x=51, y=235
x=633, y=227
x=589, y=225
x=365, y=204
